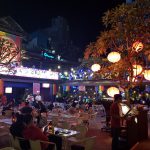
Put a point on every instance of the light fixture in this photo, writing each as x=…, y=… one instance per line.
x=137, y=46
x=65, y=73
x=45, y=85
x=132, y=80
x=147, y=74
x=8, y=90
x=112, y=91
x=137, y=69
x=95, y=67
x=113, y=57
x=58, y=67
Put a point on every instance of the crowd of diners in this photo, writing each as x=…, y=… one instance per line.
x=31, y=117
x=28, y=125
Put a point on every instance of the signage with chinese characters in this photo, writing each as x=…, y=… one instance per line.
x=30, y=72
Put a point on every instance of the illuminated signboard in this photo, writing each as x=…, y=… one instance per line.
x=30, y=72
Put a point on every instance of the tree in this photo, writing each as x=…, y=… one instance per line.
x=127, y=27
x=9, y=54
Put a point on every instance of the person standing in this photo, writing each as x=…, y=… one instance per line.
x=115, y=113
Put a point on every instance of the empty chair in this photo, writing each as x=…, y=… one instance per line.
x=87, y=143
x=15, y=143
x=79, y=137
x=19, y=143
x=36, y=145
x=8, y=148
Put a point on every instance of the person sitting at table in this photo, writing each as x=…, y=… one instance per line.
x=26, y=109
x=32, y=132
x=42, y=119
x=16, y=130
x=17, y=127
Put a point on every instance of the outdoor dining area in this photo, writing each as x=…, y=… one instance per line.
x=29, y=127
x=65, y=129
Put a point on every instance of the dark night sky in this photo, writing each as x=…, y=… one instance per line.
x=83, y=16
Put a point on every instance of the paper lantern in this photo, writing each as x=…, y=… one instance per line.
x=147, y=74
x=132, y=80
x=112, y=91
x=148, y=57
x=137, y=46
x=113, y=57
x=137, y=69
x=95, y=67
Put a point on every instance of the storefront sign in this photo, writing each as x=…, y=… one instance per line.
x=30, y=72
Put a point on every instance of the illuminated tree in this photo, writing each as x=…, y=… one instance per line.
x=128, y=33
x=9, y=53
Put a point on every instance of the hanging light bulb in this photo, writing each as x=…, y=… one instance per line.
x=147, y=74
x=95, y=67
x=113, y=57
x=137, y=46
x=137, y=69
x=112, y=91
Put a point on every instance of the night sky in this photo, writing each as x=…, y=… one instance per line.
x=83, y=16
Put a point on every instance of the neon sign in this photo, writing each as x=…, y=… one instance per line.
x=30, y=72
x=49, y=56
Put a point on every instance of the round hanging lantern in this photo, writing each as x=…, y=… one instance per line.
x=132, y=80
x=137, y=69
x=148, y=57
x=147, y=74
x=137, y=46
x=95, y=67
x=113, y=57
x=112, y=91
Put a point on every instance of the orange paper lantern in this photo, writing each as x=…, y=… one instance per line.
x=137, y=46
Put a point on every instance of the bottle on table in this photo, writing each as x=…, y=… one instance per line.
x=13, y=118
x=50, y=128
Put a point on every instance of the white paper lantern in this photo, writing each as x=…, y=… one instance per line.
x=132, y=80
x=113, y=57
x=95, y=67
x=112, y=91
x=147, y=74
x=137, y=69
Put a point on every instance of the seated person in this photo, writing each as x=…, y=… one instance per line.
x=42, y=119
x=16, y=130
x=26, y=110
x=50, y=106
x=17, y=127
x=32, y=132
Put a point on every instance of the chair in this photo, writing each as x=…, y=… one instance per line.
x=85, y=118
x=83, y=130
x=15, y=142
x=36, y=144
x=19, y=143
x=87, y=143
x=105, y=118
x=8, y=148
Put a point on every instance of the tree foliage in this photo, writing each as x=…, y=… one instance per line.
x=9, y=54
x=125, y=24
